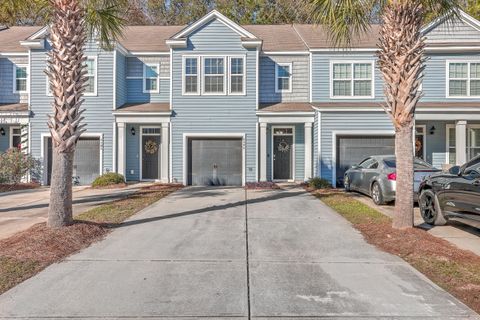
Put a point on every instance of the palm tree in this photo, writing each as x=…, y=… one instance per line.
x=71, y=23
x=401, y=60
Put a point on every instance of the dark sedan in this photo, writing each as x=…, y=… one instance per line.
x=452, y=194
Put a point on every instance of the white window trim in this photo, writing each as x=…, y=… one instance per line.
x=140, y=158
x=225, y=75
x=184, y=75
x=94, y=93
x=144, y=77
x=20, y=65
x=244, y=75
x=10, y=137
x=424, y=140
x=283, y=64
x=292, y=155
x=469, y=139
x=447, y=143
x=447, y=77
x=352, y=63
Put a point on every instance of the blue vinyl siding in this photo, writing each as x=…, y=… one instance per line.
x=7, y=78
x=132, y=154
x=5, y=140
x=219, y=114
x=98, y=114
x=121, y=79
x=359, y=122
x=135, y=92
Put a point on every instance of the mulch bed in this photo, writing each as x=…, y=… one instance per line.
x=454, y=269
x=4, y=187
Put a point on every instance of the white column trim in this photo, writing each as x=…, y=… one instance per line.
x=263, y=151
x=308, y=150
x=121, y=154
x=461, y=141
x=164, y=154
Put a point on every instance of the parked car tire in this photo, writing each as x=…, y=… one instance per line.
x=346, y=184
x=377, y=194
x=430, y=208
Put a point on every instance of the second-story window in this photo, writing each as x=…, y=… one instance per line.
x=283, y=77
x=214, y=75
x=463, y=79
x=150, y=78
x=191, y=75
x=237, y=75
x=21, y=76
x=91, y=76
x=352, y=80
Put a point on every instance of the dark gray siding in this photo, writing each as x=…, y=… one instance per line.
x=5, y=140
x=214, y=114
x=6, y=80
x=300, y=79
x=98, y=114
x=121, y=79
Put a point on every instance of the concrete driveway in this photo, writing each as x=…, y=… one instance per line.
x=21, y=210
x=225, y=253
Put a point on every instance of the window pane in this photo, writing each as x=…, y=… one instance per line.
x=283, y=84
x=151, y=84
x=451, y=137
x=21, y=72
x=342, y=88
x=475, y=70
x=474, y=139
x=362, y=88
x=191, y=66
x=191, y=84
x=452, y=156
x=458, y=87
x=151, y=71
x=475, y=87
x=16, y=142
x=342, y=71
x=90, y=66
x=90, y=85
x=236, y=84
x=363, y=70
x=213, y=65
x=21, y=84
x=214, y=84
x=236, y=65
x=458, y=70
x=283, y=71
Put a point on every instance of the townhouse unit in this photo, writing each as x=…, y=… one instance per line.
x=215, y=102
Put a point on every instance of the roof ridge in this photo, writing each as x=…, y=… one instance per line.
x=301, y=38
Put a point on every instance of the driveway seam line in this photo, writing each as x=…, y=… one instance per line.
x=247, y=256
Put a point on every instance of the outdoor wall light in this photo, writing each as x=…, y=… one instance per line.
x=432, y=130
x=132, y=131
x=2, y=131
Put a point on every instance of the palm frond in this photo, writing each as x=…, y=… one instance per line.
x=104, y=20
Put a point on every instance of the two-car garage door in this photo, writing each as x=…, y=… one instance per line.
x=353, y=149
x=215, y=162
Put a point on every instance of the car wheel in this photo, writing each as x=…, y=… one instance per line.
x=430, y=208
x=377, y=194
x=346, y=184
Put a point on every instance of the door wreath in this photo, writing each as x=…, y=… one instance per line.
x=283, y=147
x=151, y=147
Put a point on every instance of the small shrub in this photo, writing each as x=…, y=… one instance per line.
x=15, y=165
x=319, y=183
x=108, y=179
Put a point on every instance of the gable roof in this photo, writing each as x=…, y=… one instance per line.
x=212, y=15
x=290, y=40
x=10, y=38
x=148, y=38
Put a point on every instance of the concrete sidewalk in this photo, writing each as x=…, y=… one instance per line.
x=21, y=210
x=210, y=253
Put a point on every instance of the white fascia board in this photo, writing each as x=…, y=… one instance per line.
x=284, y=53
x=34, y=44
x=39, y=34
x=280, y=114
x=13, y=54
x=128, y=114
x=177, y=43
x=122, y=49
x=344, y=50
x=252, y=44
x=148, y=53
x=214, y=14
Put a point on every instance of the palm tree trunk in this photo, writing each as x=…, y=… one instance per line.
x=401, y=60
x=403, y=213
x=60, y=210
x=66, y=74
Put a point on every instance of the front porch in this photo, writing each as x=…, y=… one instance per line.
x=14, y=126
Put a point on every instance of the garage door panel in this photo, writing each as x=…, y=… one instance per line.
x=353, y=149
x=86, y=163
x=215, y=162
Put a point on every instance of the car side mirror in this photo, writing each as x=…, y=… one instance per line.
x=455, y=170
x=355, y=166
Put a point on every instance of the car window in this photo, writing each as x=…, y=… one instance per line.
x=373, y=165
x=473, y=169
x=418, y=164
x=391, y=163
x=365, y=164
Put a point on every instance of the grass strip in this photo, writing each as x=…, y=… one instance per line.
x=28, y=252
x=455, y=270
